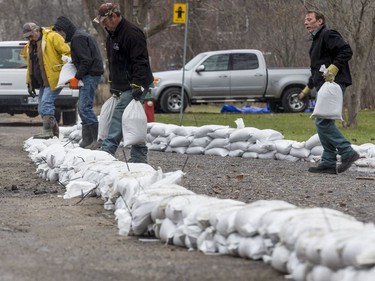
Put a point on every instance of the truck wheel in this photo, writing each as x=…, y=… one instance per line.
x=170, y=100
x=70, y=118
x=291, y=102
x=57, y=115
x=275, y=107
x=32, y=113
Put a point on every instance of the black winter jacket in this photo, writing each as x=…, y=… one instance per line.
x=328, y=47
x=85, y=52
x=128, y=57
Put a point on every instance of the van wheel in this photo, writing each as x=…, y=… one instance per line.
x=291, y=103
x=170, y=101
x=69, y=117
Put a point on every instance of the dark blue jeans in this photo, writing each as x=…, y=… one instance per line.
x=47, y=99
x=86, y=99
x=138, y=153
x=332, y=140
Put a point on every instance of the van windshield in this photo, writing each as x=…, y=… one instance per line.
x=193, y=62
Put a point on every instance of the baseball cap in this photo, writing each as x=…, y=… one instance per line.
x=28, y=28
x=105, y=10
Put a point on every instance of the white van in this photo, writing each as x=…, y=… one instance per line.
x=14, y=98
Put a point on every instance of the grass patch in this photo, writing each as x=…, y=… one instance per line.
x=294, y=126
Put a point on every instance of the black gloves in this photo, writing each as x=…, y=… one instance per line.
x=31, y=91
x=137, y=91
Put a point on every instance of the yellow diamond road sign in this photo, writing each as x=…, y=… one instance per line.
x=179, y=13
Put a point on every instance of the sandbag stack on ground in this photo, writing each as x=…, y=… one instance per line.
x=302, y=243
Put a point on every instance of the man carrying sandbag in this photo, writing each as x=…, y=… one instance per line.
x=329, y=48
x=87, y=59
x=130, y=73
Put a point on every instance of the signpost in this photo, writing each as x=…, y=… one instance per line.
x=181, y=16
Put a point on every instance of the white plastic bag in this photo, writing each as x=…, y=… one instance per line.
x=105, y=117
x=329, y=100
x=68, y=71
x=134, y=124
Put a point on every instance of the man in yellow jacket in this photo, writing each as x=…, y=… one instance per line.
x=43, y=54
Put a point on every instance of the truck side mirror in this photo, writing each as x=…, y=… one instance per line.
x=200, y=68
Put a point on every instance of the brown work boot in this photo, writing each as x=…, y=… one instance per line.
x=48, y=123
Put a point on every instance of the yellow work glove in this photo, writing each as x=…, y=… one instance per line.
x=304, y=93
x=331, y=73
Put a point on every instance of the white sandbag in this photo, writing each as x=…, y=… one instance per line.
x=230, y=245
x=68, y=71
x=78, y=188
x=123, y=218
x=224, y=220
x=218, y=143
x=174, y=208
x=245, y=134
x=105, y=117
x=200, y=142
x=280, y=257
x=220, y=133
x=301, y=153
x=252, y=247
x=184, y=130
x=206, y=242
x=180, y=141
x=134, y=124
x=283, y=146
x=236, y=153
x=313, y=141
x=204, y=130
x=267, y=135
x=279, y=156
x=180, y=149
x=329, y=102
x=317, y=150
x=162, y=130
x=195, y=150
x=320, y=273
x=296, y=268
x=238, y=145
x=247, y=220
x=167, y=231
x=257, y=148
x=267, y=156
x=217, y=151
x=359, y=250
x=250, y=155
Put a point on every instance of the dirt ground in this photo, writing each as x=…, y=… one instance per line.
x=44, y=237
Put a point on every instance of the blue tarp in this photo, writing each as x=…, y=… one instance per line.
x=227, y=108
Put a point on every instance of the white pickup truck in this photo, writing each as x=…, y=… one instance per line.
x=14, y=98
x=231, y=76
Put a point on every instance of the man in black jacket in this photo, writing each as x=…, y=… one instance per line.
x=87, y=59
x=130, y=73
x=329, y=48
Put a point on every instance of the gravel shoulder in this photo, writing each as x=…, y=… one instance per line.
x=44, y=237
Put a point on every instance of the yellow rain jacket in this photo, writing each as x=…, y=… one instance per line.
x=53, y=47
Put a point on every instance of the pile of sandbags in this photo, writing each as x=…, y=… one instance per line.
x=303, y=243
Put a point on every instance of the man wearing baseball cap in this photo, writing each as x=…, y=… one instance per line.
x=43, y=53
x=130, y=73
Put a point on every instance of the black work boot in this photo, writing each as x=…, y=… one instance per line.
x=323, y=170
x=86, y=136
x=48, y=123
x=346, y=163
x=94, y=135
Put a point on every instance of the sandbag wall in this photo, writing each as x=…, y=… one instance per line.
x=303, y=243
